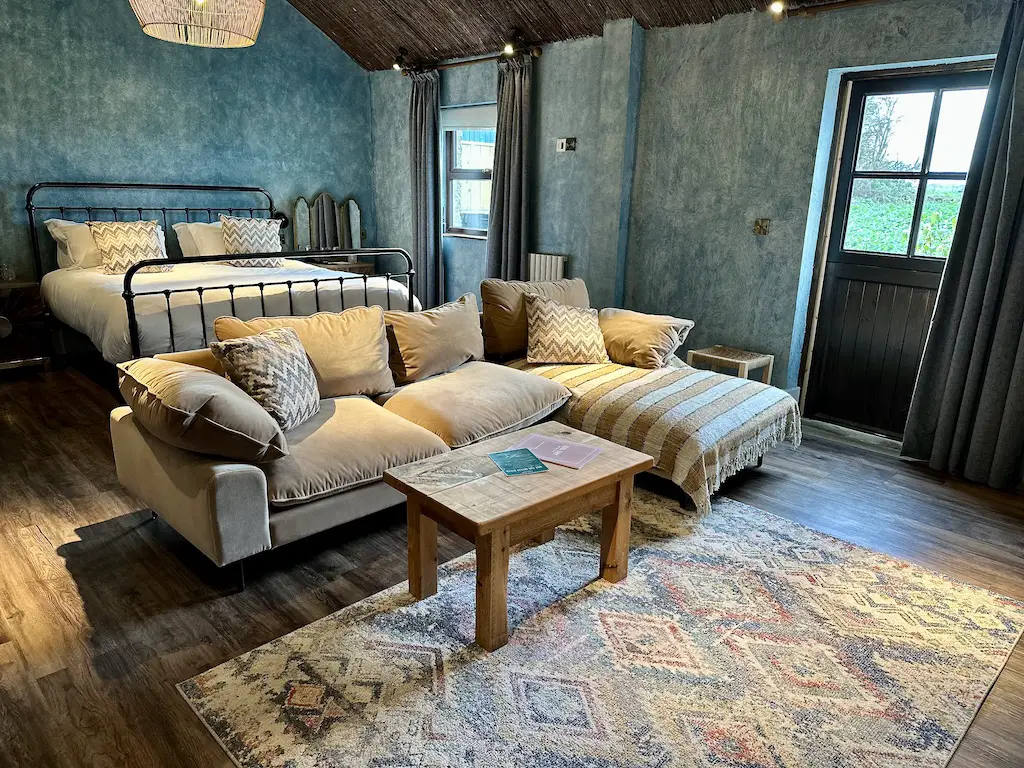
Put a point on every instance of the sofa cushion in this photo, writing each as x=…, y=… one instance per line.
x=350, y=442
x=348, y=350
x=272, y=367
x=475, y=401
x=197, y=410
x=646, y=341
x=504, y=310
x=433, y=341
x=562, y=334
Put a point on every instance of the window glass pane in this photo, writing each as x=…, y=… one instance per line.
x=959, y=118
x=471, y=203
x=881, y=213
x=474, y=148
x=938, y=218
x=893, y=131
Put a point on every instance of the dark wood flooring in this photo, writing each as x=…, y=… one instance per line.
x=103, y=611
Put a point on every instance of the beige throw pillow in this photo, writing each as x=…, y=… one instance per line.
x=641, y=340
x=252, y=236
x=562, y=334
x=197, y=410
x=123, y=244
x=348, y=350
x=434, y=341
x=273, y=369
x=504, y=308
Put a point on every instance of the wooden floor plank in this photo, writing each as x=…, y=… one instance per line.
x=103, y=611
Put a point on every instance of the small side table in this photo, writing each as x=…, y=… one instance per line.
x=23, y=336
x=356, y=267
x=743, y=361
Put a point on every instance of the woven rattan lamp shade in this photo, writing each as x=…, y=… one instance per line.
x=206, y=23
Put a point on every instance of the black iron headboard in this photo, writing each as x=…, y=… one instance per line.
x=261, y=204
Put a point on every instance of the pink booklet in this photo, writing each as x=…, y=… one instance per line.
x=564, y=452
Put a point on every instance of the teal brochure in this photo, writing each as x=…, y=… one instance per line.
x=519, y=461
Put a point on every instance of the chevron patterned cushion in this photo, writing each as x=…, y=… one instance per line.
x=252, y=236
x=123, y=244
x=272, y=368
x=562, y=334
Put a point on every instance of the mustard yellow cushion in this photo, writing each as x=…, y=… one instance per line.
x=641, y=340
x=348, y=443
x=348, y=350
x=198, y=410
x=433, y=341
x=504, y=310
x=475, y=401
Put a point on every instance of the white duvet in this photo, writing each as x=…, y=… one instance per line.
x=91, y=302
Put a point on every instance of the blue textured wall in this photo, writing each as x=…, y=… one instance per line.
x=87, y=96
x=728, y=131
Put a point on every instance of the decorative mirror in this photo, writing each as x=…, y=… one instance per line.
x=354, y=222
x=324, y=222
x=302, y=238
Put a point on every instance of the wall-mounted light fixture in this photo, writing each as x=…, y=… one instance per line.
x=399, y=64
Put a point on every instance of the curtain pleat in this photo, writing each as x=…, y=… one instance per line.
x=967, y=413
x=424, y=153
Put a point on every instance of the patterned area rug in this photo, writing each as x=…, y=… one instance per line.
x=739, y=640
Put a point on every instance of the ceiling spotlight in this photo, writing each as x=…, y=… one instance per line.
x=399, y=64
x=777, y=7
x=509, y=49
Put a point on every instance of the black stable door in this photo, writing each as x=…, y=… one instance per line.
x=907, y=147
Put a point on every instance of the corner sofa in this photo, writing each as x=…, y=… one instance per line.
x=699, y=426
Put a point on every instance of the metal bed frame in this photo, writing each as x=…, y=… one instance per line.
x=264, y=209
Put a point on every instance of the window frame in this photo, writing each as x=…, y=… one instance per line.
x=938, y=85
x=453, y=173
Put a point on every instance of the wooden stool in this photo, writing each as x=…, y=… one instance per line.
x=743, y=361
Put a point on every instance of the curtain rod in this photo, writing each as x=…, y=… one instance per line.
x=535, y=51
x=814, y=10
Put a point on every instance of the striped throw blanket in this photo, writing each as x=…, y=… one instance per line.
x=700, y=427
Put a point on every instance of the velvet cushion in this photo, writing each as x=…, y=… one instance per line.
x=197, y=410
x=348, y=350
x=475, y=401
x=433, y=341
x=504, y=310
x=641, y=340
x=350, y=442
x=273, y=369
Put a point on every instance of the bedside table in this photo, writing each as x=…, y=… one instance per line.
x=23, y=334
x=743, y=361
x=356, y=267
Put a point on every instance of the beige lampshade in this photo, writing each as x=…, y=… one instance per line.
x=206, y=23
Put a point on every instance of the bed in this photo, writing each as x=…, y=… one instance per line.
x=140, y=313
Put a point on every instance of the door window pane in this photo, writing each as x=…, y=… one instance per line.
x=938, y=218
x=471, y=203
x=959, y=118
x=474, y=149
x=893, y=131
x=881, y=214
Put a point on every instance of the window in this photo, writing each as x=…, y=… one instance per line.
x=468, y=149
x=902, y=185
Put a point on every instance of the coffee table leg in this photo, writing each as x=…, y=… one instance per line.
x=615, y=520
x=544, y=536
x=492, y=589
x=422, y=551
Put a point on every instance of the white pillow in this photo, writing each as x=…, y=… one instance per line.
x=186, y=242
x=207, y=238
x=75, y=247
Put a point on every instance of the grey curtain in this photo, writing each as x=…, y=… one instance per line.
x=507, y=225
x=424, y=153
x=967, y=414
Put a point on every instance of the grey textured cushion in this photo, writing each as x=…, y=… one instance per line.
x=197, y=410
x=477, y=400
x=350, y=442
x=562, y=334
x=272, y=367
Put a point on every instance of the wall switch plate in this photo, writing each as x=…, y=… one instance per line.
x=565, y=145
x=761, y=226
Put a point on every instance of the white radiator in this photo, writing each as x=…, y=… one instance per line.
x=547, y=266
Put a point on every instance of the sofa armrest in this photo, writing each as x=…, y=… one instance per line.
x=218, y=505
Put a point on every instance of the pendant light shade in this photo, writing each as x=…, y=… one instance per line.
x=206, y=23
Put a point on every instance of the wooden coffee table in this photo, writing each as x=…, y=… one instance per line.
x=466, y=492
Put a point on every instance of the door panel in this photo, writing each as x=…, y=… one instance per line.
x=897, y=201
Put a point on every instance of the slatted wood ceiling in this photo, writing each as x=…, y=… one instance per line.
x=372, y=31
